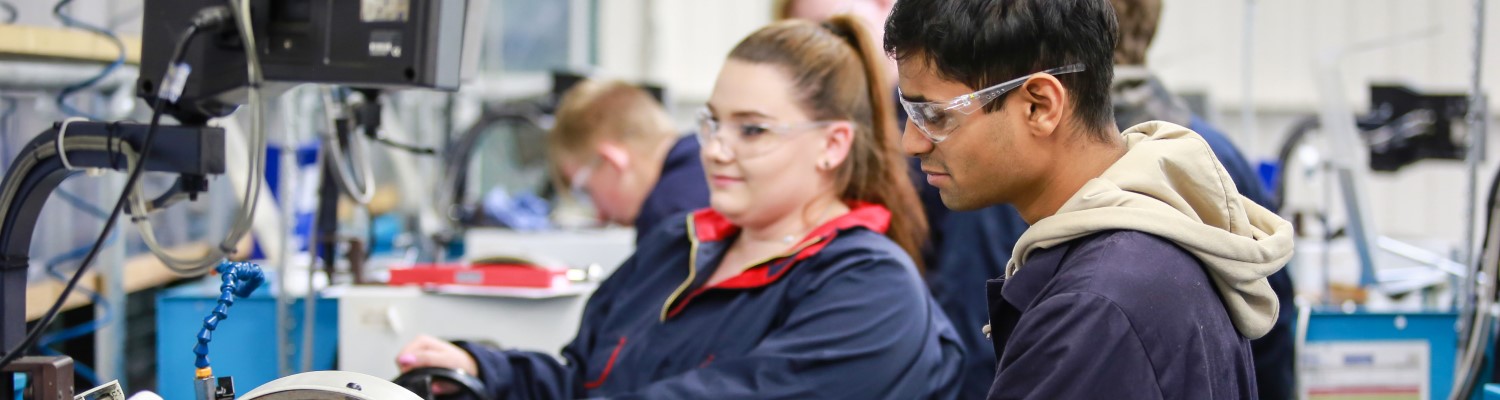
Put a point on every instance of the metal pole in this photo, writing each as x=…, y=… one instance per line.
x=1477, y=117
x=109, y=341
x=1476, y=131
x=1247, y=102
x=288, y=203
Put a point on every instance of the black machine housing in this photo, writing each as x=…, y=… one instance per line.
x=1405, y=126
x=386, y=44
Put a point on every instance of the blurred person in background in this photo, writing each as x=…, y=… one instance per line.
x=615, y=146
x=1138, y=97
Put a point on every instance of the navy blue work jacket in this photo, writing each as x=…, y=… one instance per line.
x=682, y=187
x=843, y=315
x=1115, y=315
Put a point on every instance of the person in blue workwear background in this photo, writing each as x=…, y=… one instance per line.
x=615, y=145
x=797, y=282
x=1143, y=273
x=1139, y=96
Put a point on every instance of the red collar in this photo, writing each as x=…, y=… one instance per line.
x=710, y=226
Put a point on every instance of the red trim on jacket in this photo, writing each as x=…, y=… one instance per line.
x=710, y=226
x=595, y=384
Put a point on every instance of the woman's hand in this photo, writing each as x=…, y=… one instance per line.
x=428, y=351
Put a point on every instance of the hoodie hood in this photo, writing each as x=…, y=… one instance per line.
x=1169, y=184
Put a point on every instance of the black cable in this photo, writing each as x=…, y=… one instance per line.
x=1489, y=218
x=461, y=151
x=1474, y=381
x=168, y=198
x=109, y=225
x=1489, y=226
x=426, y=151
x=1294, y=138
x=11, y=10
x=114, y=215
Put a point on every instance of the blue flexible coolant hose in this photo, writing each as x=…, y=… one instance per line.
x=239, y=280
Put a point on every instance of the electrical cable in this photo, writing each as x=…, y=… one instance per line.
x=23, y=167
x=426, y=151
x=51, y=269
x=378, y=138
x=1294, y=138
x=257, y=129
x=377, y=134
x=244, y=222
x=69, y=333
x=172, y=196
x=461, y=151
x=360, y=193
x=69, y=21
x=1472, y=354
x=136, y=169
x=83, y=370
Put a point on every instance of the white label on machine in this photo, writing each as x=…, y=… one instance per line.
x=1367, y=370
x=384, y=10
x=108, y=391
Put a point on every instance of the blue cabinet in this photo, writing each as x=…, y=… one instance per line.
x=1374, y=355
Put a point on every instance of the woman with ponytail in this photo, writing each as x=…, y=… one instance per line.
x=798, y=281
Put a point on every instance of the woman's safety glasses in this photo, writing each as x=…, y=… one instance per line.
x=746, y=140
x=938, y=119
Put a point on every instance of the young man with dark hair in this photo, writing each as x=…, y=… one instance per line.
x=1144, y=271
x=1139, y=97
x=964, y=247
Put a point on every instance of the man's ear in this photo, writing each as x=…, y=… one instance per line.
x=1044, y=102
x=614, y=154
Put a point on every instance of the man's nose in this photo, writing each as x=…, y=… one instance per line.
x=913, y=142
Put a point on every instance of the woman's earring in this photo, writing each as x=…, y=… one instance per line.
x=825, y=165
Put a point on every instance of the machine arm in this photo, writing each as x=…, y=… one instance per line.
x=192, y=151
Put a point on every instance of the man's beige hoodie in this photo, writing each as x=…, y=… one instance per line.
x=1171, y=185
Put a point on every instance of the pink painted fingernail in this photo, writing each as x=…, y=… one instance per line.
x=406, y=359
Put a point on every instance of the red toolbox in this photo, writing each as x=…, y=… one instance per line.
x=492, y=275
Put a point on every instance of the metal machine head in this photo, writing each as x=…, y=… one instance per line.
x=331, y=385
